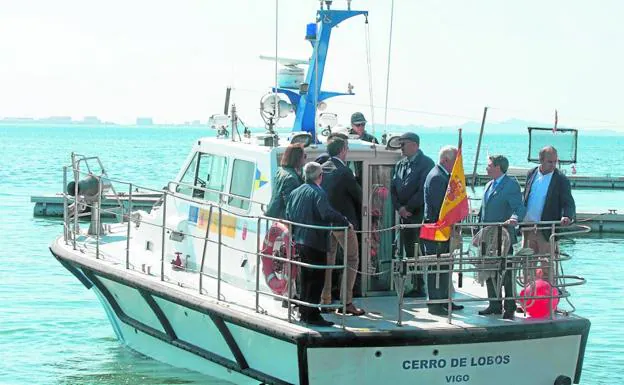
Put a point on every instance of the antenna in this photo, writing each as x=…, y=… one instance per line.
x=227, y=100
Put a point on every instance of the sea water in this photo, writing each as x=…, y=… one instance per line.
x=54, y=331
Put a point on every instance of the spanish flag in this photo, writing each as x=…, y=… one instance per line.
x=454, y=207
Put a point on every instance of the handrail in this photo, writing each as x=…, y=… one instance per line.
x=461, y=258
x=164, y=231
x=209, y=190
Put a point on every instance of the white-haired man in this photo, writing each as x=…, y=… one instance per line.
x=436, y=184
x=308, y=204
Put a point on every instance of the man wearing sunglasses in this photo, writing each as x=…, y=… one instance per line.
x=358, y=127
x=407, y=192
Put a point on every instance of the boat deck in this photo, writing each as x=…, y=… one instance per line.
x=382, y=313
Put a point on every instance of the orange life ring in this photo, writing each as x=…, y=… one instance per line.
x=276, y=272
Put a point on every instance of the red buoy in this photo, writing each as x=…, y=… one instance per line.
x=538, y=307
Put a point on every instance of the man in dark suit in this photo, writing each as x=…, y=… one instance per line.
x=435, y=191
x=406, y=190
x=308, y=204
x=345, y=195
x=547, y=197
x=502, y=202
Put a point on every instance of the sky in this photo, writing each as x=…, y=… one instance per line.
x=172, y=60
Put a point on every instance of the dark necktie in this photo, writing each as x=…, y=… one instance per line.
x=405, y=168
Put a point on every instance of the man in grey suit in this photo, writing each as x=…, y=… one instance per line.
x=502, y=202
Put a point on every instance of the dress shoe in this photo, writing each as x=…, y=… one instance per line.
x=509, y=314
x=443, y=309
x=415, y=294
x=317, y=321
x=488, y=310
x=351, y=309
x=438, y=310
x=455, y=307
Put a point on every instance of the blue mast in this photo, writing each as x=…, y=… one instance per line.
x=305, y=101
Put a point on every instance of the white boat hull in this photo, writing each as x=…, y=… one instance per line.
x=242, y=346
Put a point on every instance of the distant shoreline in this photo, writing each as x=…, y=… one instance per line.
x=98, y=125
x=514, y=127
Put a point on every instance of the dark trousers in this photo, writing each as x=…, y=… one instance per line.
x=492, y=283
x=433, y=277
x=311, y=281
x=409, y=237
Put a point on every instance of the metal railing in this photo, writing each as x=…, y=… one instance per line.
x=289, y=261
x=404, y=267
x=459, y=261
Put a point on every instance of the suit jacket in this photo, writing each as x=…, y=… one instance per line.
x=436, y=184
x=408, y=191
x=343, y=191
x=285, y=181
x=435, y=190
x=559, y=201
x=308, y=204
x=504, y=202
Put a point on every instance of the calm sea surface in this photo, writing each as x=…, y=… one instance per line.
x=53, y=331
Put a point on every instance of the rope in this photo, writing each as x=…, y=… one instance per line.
x=370, y=72
x=275, y=89
x=388, y=70
x=592, y=218
x=316, y=81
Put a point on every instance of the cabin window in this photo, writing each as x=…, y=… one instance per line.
x=241, y=185
x=188, y=179
x=206, y=171
x=211, y=175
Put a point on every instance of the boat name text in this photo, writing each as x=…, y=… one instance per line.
x=456, y=362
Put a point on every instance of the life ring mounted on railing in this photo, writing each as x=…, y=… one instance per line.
x=276, y=272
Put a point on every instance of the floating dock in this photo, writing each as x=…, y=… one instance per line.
x=576, y=181
x=52, y=205
x=609, y=222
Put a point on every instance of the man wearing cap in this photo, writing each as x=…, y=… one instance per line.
x=358, y=127
x=407, y=192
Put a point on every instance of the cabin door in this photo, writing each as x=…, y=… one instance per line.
x=378, y=245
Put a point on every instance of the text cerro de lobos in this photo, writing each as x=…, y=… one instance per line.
x=456, y=362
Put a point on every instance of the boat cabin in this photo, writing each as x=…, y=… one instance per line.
x=238, y=177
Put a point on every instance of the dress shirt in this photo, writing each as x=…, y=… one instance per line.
x=537, y=196
x=404, y=169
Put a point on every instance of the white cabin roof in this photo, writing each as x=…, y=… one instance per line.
x=248, y=147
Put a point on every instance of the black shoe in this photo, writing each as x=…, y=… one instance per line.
x=488, y=310
x=415, y=294
x=509, y=314
x=438, y=310
x=455, y=307
x=318, y=321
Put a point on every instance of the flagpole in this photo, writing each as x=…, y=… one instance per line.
x=460, y=275
x=474, y=170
